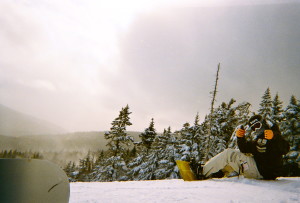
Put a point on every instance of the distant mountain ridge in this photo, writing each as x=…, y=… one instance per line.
x=77, y=141
x=60, y=148
x=26, y=133
x=14, y=123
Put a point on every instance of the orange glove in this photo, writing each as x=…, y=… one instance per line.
x=269, y=134
x=240, y=133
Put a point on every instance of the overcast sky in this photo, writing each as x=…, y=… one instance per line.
x=77, y=63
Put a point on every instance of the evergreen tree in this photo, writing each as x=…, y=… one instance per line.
x=143, y=166
x=118, y=142
x=265, y=109
x=203, y=133
x=99, y=167
x=166, y=148
x=277, y=111
x=85, y=169
x=12, y=154
x=241, y=117
x=226, y=118
x=190, y=141
x=132, y=153
x=115, y=169
x=71, y=171
x=186, y=142
x=148, y=136
x=291, y=122
x=290, y=128
x=37, y=155
x=196, y=140
x=118, y=139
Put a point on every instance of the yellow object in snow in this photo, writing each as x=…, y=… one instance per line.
x=185, y=170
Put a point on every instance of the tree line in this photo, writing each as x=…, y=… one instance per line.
x=154, y=156
x=12, y=154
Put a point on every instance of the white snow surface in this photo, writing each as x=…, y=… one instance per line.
x=214, y=190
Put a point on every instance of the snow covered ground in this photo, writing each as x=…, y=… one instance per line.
x=214, y=190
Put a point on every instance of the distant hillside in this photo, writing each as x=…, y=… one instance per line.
x=25, y=133
x=14, y=123
x=59, y=148
x=69, y=142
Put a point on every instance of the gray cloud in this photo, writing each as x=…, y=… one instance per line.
x=174, y=54
x=66, y=65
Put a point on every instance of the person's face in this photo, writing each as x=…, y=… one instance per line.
x=256, y=125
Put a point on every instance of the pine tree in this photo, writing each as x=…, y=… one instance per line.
x=117, y=137
x=241, y=117
x=186, y=142
x=71, y=171
x=98, y=169
x=226, y=118
x=167, y=154
x=197, y=152
x=291, y=123
x=118, y=142
x=37, y=155
x=265, y=109
x=86, y=167
x=148, y=136
x=190, y=141
x=290, y=128
x=142, y=167
x=277, y=110
x=203, y=132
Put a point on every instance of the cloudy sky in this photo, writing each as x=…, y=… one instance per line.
x=76, y=63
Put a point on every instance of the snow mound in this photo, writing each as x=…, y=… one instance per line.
x=214, y=190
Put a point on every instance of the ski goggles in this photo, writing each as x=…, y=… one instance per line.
x=256, y=126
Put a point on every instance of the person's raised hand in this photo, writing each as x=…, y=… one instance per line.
x=240, y=132
x=269, y=134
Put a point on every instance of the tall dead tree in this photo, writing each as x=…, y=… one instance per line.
x=214, y=93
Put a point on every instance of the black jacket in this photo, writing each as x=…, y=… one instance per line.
x=267, y=153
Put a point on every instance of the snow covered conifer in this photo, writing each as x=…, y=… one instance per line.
x=143, y=166
x=86, y=166
x=241, y=118
x=118, y=138
x=197, y=139
x=290, y=128
x=191, y=140
x=186, y=142
x=165, y=146
x=118, y=142
x=291, y=123
x=148, y=136
x=196, y=122
x=265, y=109
x=98, y=168
x=277, y=110
x=225, y=119
x=71, y=171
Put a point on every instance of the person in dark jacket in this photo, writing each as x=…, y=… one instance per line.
x=259, y=159
x=267, y=148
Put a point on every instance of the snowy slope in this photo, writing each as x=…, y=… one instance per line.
x=214, y=190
